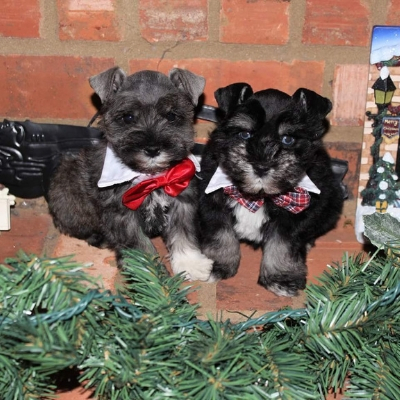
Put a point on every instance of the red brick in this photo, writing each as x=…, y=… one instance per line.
x=337, y=23
x=102, y=261
x=29, y=230
x=88, y=20
x=349, y=94
x=48, y=87
x=287, y=77
x=20, y=21
x=393, y=14
x=79, y=393
x=174, y=20
x=254, y=21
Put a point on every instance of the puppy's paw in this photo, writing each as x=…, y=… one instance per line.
x=223, y=271
x=282, y=290
x=195, y=265
x=220, y=272
x=283, y=287
x=97, y=240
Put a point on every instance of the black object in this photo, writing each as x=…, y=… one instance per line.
x=207, y=113
x=30, y=152
x=340, y=168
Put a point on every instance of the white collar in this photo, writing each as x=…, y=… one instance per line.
x=220, y=180
x=115, y=171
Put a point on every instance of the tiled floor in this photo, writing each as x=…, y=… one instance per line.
x=32, y=230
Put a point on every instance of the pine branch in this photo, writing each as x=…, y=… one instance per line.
x=39, y=330
x=376, y=377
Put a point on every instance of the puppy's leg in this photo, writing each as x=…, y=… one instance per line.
x=181, y=239
x=223, y=247
x=283, y=269
x=219, y=240
x=123, y=231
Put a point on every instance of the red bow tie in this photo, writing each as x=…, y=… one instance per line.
x=294, y=202
x=174, y=182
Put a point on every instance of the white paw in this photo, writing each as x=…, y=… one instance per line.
x=194, y=265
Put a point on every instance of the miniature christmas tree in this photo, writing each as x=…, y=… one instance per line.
x=383, y=184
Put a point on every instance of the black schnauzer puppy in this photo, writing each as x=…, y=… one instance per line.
x=267, y=180
x=137, y=183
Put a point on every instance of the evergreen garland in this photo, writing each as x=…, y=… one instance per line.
x=146, y=342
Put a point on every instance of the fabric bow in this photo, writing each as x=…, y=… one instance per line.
x=174, y=182
x=295, y=202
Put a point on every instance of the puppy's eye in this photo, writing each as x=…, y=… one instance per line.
x=128, y=118
x=170, y=116
x=245, y=135
x=288, y=140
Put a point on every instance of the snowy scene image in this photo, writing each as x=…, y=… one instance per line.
x=385, y=43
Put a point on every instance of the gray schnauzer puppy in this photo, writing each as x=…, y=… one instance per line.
x=268, y=181
x=137, y=183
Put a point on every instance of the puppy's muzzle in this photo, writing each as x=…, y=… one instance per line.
x=152, y=151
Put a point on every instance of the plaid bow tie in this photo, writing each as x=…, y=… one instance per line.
x=295, y=202
x=175, y=181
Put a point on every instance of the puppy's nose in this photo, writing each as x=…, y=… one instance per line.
x=152, y=151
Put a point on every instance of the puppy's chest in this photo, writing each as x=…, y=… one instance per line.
x=249, y=225
x=154, y=211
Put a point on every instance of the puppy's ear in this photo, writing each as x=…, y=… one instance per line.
x=188, y=82
x=108, y=82
x=314, y=108
x=230, y=96
x=312, y=102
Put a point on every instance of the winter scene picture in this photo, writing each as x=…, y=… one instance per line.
x=379, y=185
x=385, y=43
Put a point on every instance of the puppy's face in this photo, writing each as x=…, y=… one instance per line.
x=148, y=117
x=150, y=131
x=267, y=140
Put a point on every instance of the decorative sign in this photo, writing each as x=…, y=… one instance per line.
x=390, y=129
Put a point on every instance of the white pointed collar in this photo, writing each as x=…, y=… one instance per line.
x=220, y=180
x=115, y=171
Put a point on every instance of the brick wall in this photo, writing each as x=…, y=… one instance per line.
x=49, y=49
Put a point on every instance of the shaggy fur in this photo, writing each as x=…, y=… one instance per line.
x=264, y=143
x=147, y=119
